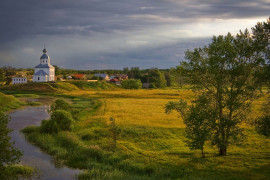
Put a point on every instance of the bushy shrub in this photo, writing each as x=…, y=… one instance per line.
x=63, y=119
x=60, y=104
x=60, y=121
x=132, y=84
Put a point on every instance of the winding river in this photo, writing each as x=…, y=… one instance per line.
x=47, y=168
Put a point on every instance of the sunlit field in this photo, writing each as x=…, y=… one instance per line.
x=139, y=107
x=150, y=143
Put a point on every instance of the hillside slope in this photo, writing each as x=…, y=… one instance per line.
x=8, y=102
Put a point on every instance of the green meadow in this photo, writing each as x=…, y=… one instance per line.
x=150, y=143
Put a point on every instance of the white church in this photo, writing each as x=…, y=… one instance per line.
x=44, y=72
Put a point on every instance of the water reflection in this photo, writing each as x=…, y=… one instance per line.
x=47, y=167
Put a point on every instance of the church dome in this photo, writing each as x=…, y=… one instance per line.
x=44, y=55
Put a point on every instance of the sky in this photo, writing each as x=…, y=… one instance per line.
x=113, y=34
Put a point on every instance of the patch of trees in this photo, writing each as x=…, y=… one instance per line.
x=155, y=77
x=227, y=76
x=62, y=118
x=6, y=74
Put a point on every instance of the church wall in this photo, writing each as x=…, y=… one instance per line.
x=45, y=60
x=40, y=78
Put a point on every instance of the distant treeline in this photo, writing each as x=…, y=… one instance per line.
x=154, y=77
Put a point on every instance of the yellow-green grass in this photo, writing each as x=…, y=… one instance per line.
x=8, y=102
x=150, y=144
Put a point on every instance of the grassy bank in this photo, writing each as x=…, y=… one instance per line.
x=9, y=102
x=57, y=88
x=149, y=142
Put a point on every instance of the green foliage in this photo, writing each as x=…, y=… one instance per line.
x=63, y=119
x=9, y=154
x=199, y=119
x=132, y=84
x=57, y=70
x=49, y=127
x=169, y=79
x=156, y=78
x=227, y=71
x=134, y=73
x=9, y=72
x=60, y=104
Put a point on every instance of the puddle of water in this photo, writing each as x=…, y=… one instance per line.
x=47, y=167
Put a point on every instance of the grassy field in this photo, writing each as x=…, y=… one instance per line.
x=149, y=142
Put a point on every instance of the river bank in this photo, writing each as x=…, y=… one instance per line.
x=46, y=166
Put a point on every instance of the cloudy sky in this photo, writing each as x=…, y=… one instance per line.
x=112, y=34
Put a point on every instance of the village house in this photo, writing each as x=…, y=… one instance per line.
x=19, y=80
x=116, y=81
x=119, y=76
x=103, y=76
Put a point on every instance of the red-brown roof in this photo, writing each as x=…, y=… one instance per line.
x=78, y=75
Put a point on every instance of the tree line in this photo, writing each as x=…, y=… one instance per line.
x=154, y=77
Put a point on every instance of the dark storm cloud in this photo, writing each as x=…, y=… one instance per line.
x=104, y=33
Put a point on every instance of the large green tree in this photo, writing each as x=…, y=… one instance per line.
x=8, y=153
x=198, y=118
x=228, y=71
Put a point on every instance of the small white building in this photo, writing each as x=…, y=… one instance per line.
x=19, y=80
x=44, y=71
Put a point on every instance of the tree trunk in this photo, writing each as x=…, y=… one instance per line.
x=203, y=154
x=222, y=151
